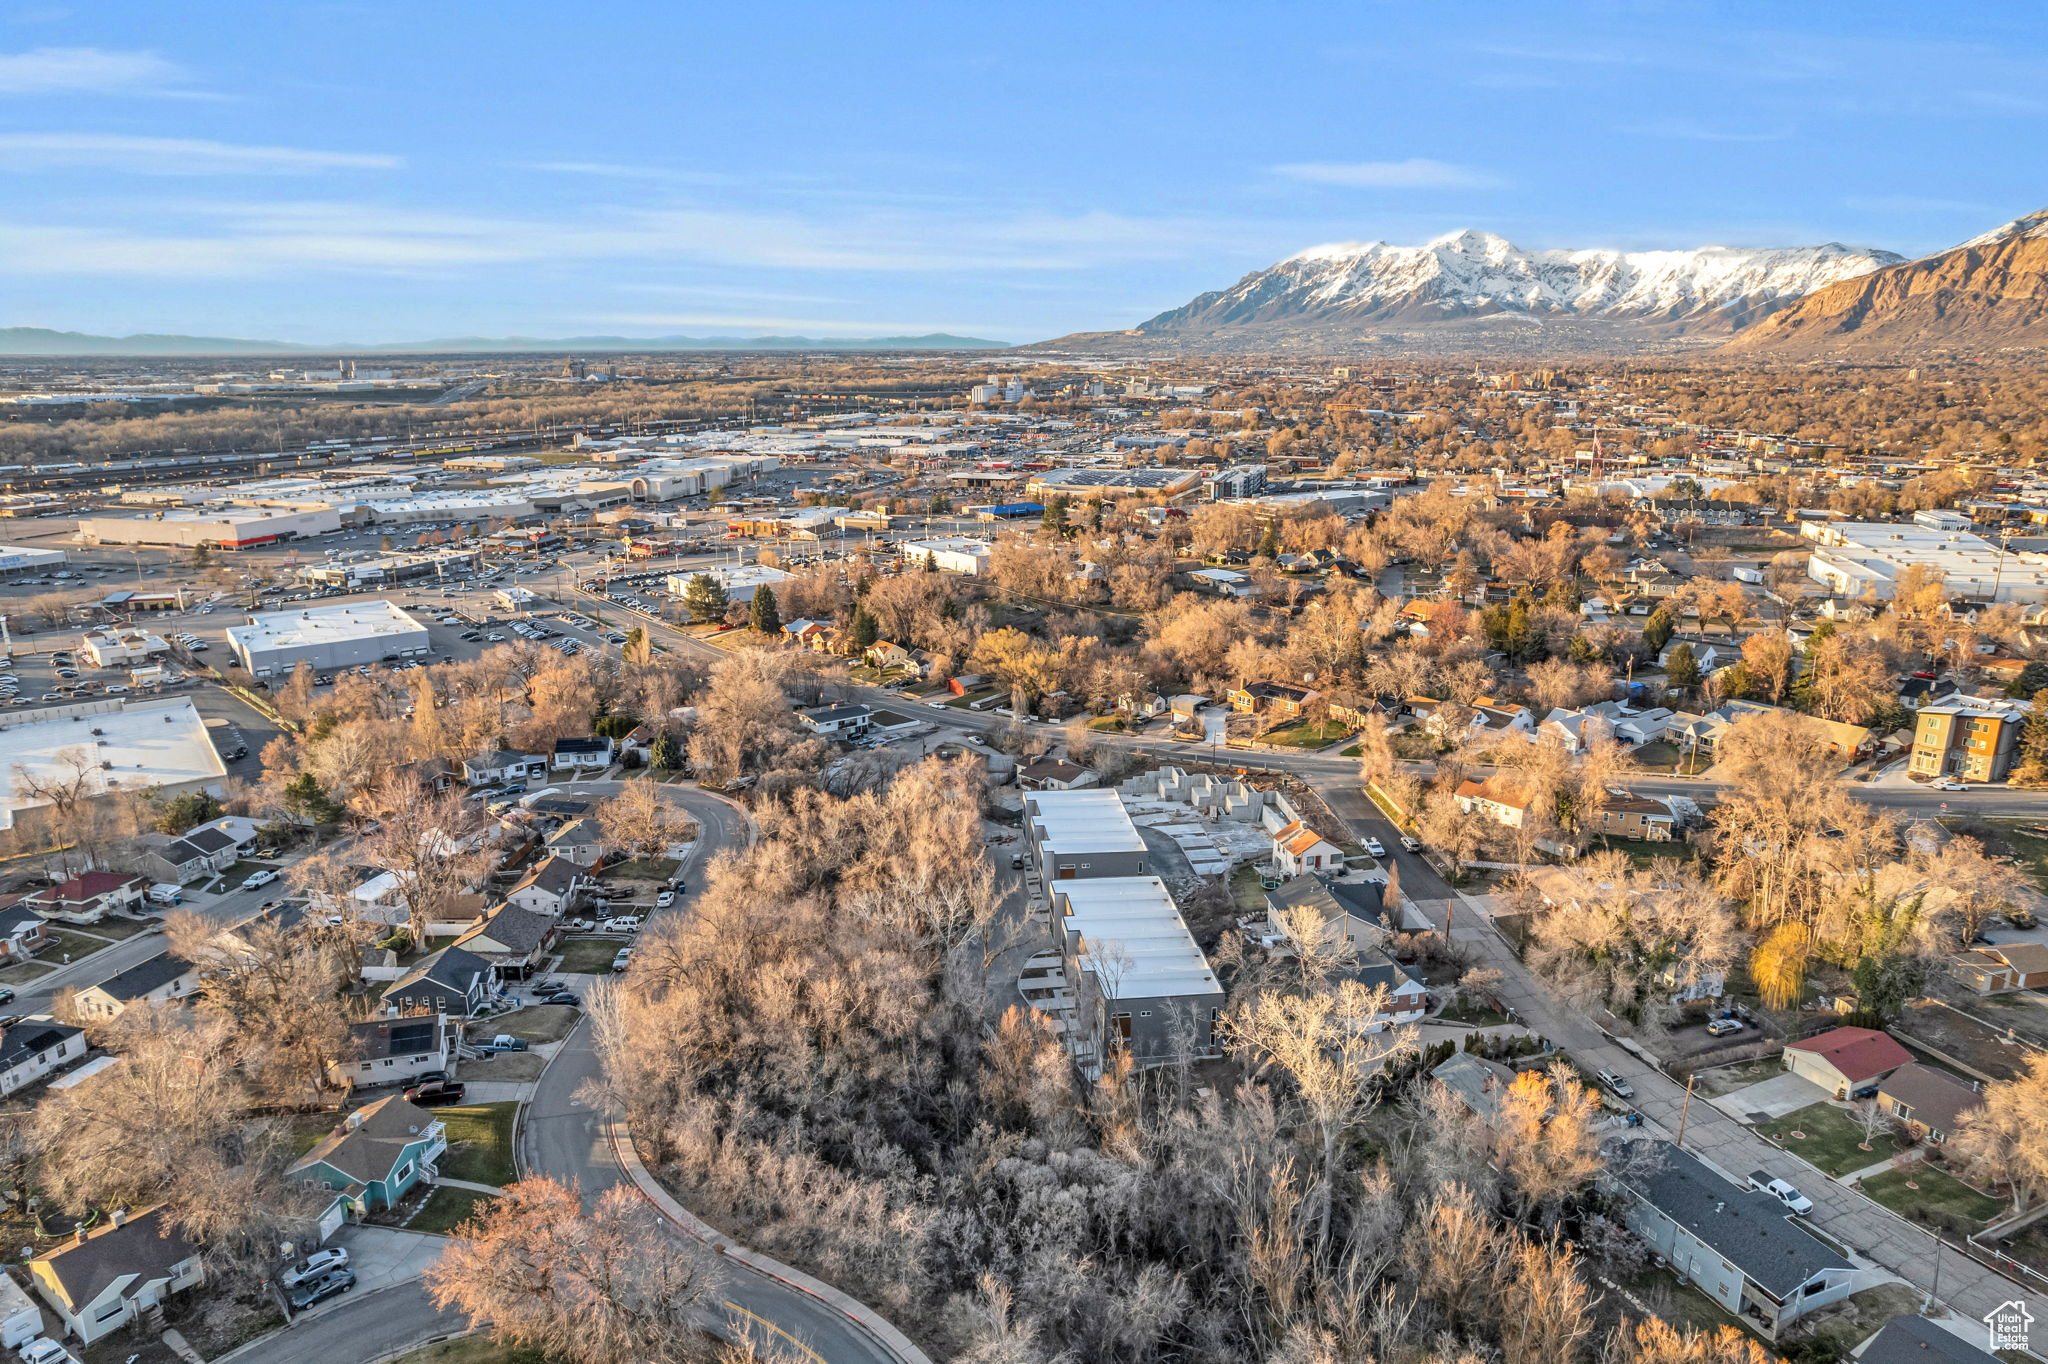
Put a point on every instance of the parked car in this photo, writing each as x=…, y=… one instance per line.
x=562, y=997
x=664, y=899
x=259, y=879
x=625, y=923
x=622, y=959
x=1411, y=843
x=1721, y=1027
x=1950, y=786
x=1785, y=1193
x=504, y=1041
x=6, y=995
x=329, y=1285
x=1375, y=848
x=43, y=1350
x=1615, y=1084
x=435, y=1093
x=313, y=1266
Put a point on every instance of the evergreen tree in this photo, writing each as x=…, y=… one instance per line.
x=1056, y=514
x=1657, y=630
x=306, y=798
x=2031, y=680
x=665, y=752
x=1682, y=670
x=2032, y=767
x=1269, y=542
x=704, y=599
x=765, y=614
x=1582, y=650
x=864, y=630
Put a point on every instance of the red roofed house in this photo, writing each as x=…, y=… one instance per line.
x=1298, y=848
x=87, y=898
x=1846, y=1061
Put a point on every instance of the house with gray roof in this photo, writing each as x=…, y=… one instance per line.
x=157, y=980
x=36, y=1047
x=101, y=1280
x=514, y=940
x=1351, y=912
x=1739, y=1247
x=377, y=1155
x=550, y=886
x=1478, y=1082
x=394, y=1050
x=453, y=981
x=1916, y=1340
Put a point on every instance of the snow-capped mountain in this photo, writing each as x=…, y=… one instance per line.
x=1476, y=274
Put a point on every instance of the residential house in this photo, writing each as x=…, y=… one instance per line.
x=1623, y=815
x=377, y=1155
x=1573, y=730
x=815, y=635
x=1916, y=1340
x=2002, y=968
x=1478, y=1083
x=516, y=941
x=201, y=852
x=453, y=981
x=1298, y=849
x=392, y=1051
x=503, y=765
x=1733, y=1244
x=1283, y=700
x=1927, y=1102
x=1187, y=710
x=1352, y=912
x=1053, y=774
x=89, y=897
x=156, y=980
x=593, y=754
x=34, y=1048
x=1407, y=999
x=578, y=840
x=1431, y=617
x=550, y=886
x=1224, y=582
x=1846, y=1062
x=1498, y=798
x=1491, y=717
x=23, y=932
x=887, y=654
x=1631, y=726
x=101, y=1280
x=846, y=720
x=1141, y=705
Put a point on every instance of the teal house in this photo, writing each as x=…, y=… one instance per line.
x=378, y=1154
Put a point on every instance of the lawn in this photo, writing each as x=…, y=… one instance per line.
x=479, y=1143
x=117, y=927
x=1642, y=851
x=1941, y=1200
x=1110, y=724
x=644, y=869
x=968, y=698
x=446, y=1209
x=1306, y=735
x=1713, y=1083
x=1352, y=752
x=541, y=1023
x=2030, y=848
x=589, y=956
x=1828, y=1139
x=23, y=972
x=65, y=945
x=1658, y=756
x=1246, y=890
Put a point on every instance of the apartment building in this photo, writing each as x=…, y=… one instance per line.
x=1970, y=740
x=1083, y=834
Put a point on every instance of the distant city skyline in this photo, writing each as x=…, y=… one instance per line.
x=375, y=172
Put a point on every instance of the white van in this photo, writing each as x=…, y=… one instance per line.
x=165, y=893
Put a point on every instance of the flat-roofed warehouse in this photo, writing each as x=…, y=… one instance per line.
x=105, y=746
x=1079, y=482
x=227, y=527
x=327, y=637
x=18, y=560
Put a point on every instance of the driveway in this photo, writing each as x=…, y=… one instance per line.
x=386, y=1256
x=1772, y=1098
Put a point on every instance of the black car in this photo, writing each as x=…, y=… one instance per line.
x=331, y=1284
x=436, y=1093
x=563, y=997
x=6, y=995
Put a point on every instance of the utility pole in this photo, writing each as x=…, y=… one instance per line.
x=1685, y=1112
x=1934, y=1291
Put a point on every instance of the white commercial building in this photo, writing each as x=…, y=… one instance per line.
x=949, y=556
x=119, y=646
x=17, y=560
x=273, y=643
x=103, y=746
x=224, y=528
x=738, y=580
x=1854, y=557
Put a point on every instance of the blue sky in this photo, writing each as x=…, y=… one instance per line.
x=372, y=171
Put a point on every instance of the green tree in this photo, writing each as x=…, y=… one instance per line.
x=940, y=505
x=765, y=614
x=179, y=813
x=1056, y=514
x=665, y=752
x=1658, y=629
x=704, y=599
x=1269, y=542
x=1884, y=985
x=2032, y=767
x=2032, y=679
x=614, y=726
x=307, y=799
x=863, y=631
x=1682, y=669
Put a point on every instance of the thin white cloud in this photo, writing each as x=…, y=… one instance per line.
x=88, y=70
x=1415, y=173
x=173, y=155
x=1692, y=130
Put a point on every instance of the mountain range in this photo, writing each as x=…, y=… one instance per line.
x=42, y=341
x=1473, y=292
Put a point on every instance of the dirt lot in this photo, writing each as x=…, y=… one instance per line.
x=1976, y=1047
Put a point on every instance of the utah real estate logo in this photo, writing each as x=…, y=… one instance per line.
x=2007, y=1324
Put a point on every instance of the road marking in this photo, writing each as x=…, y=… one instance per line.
x=805, y=1350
